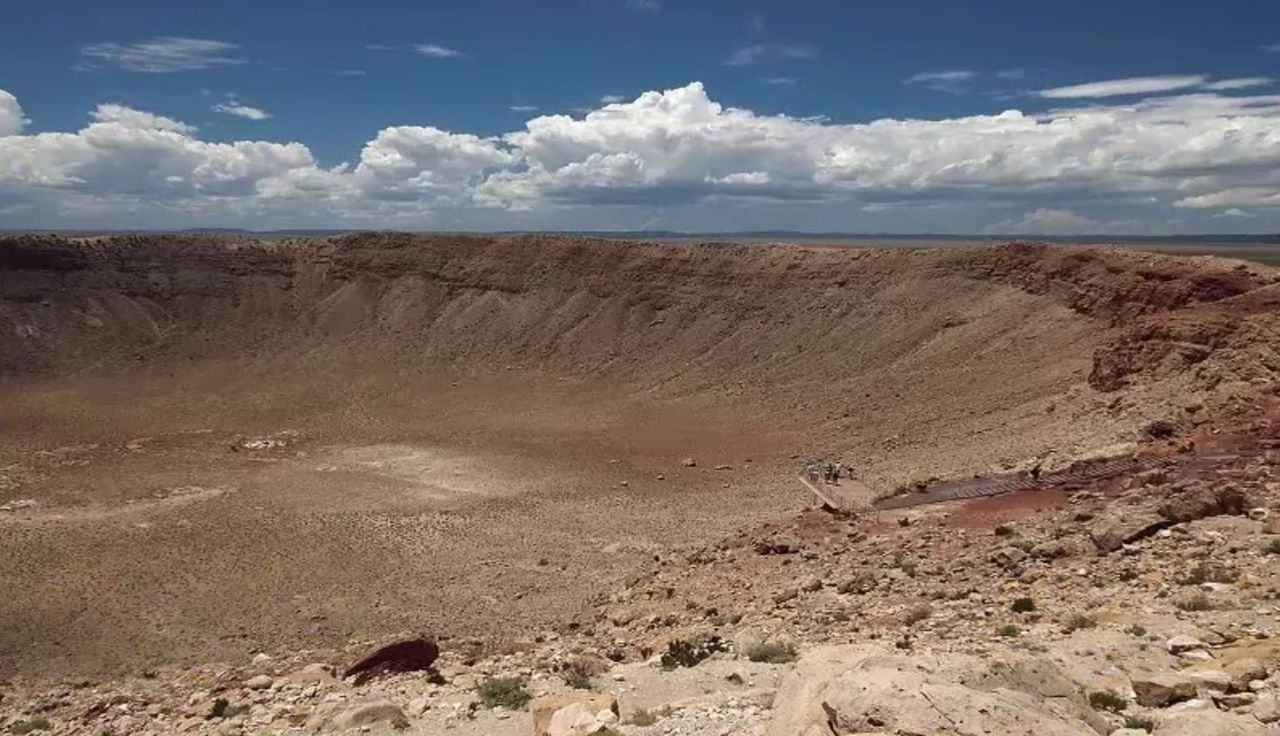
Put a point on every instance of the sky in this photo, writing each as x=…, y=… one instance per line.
x=916, y=116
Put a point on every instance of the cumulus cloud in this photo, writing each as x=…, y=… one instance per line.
x=437, y=51
x=678, y=148
x=768, y=53
x=164, y=55
x=611, y=99
x=1044, y=221
x=240, y=110
x=11, y=118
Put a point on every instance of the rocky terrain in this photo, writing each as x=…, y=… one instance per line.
x=571, y=465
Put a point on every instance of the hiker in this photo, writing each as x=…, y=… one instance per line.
x=836, y=471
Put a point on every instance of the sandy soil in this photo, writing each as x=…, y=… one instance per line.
x=234, y=446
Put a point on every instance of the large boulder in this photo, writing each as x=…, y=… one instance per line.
x=1160, y=689
x=372, y=716
x=1122, y=527
x=404, y=655
x=852, y=690
x=573, y=714
x=1207, y=722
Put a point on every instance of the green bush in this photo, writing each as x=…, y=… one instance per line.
x=918, y=614
x=642, y=717
x=1078, y=622
x=1009, y=631
x=1023, y=605
x=1107, y=700
x=1140, y=723
x=505, y=692
x=772, y=652
x=690, y=652
x=1198, y=602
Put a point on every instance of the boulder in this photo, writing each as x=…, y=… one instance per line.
x=367, y=716
x=1207, y=722
x=1198, y=500
x=1158, y=690
x=580, y=709
x=578, y=719
x=259, y=682
x=1119, y=528
x=1180, y=644
x=404, y=655
x=1267, y=707
x=848, y=690
x=1244, y=671
x=1216, y=681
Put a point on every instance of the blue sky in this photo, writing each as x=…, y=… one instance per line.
x=1132, y=116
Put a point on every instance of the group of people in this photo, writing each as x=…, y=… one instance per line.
x=829, y=470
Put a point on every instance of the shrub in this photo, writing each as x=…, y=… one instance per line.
x=918, y=614
x=1136, y=630
x=507, y=692
x=1107, y=700
x=1197, y=602
x=39, y=723
x=1140, y=723
x=690, y=652
x=1023, y=605
x=1078, y=622
x=1009, y=631
x=643, y=717
x=1274, y=547
x=577, y=673
x=1209, y=572
x=772, y=652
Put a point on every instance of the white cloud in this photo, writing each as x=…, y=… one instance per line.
x=1235, y=212
x=611, y=99
x=1238, y=83
x=1247, y=196
x=1044, y=221
x=127, y=117
x=523, y=108
x=954, y=75
x=164, y=55
x=768, y=53
x=12, y=120
x=436, y=51
x=350, y=73
x=676, y=151
x=784, y=81
x=1129, y=86
x=953, y=81
x=240, y=110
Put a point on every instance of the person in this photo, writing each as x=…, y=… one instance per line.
x=837, y=470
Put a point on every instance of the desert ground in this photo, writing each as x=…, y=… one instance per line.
x=216, y=447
